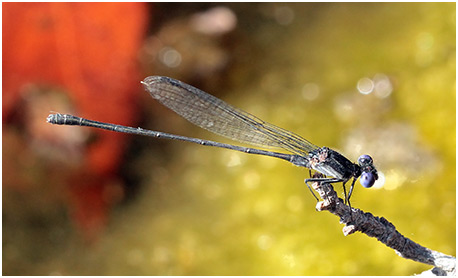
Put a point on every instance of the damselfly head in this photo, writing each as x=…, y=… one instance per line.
x=368, y=172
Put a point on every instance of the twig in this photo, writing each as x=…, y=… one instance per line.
x=383, y=230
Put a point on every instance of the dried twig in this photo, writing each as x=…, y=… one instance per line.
x=382, y=230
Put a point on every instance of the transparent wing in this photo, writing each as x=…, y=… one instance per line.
x=215, y=115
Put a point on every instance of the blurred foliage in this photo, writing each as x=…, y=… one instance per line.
x=73, y=57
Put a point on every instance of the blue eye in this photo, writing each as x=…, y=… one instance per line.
x=367, y=179
x=364, y=160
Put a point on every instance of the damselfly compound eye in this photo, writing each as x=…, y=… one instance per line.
x=367, y=179
x=364, y=160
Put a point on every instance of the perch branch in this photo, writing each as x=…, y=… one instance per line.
x=383, y=230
